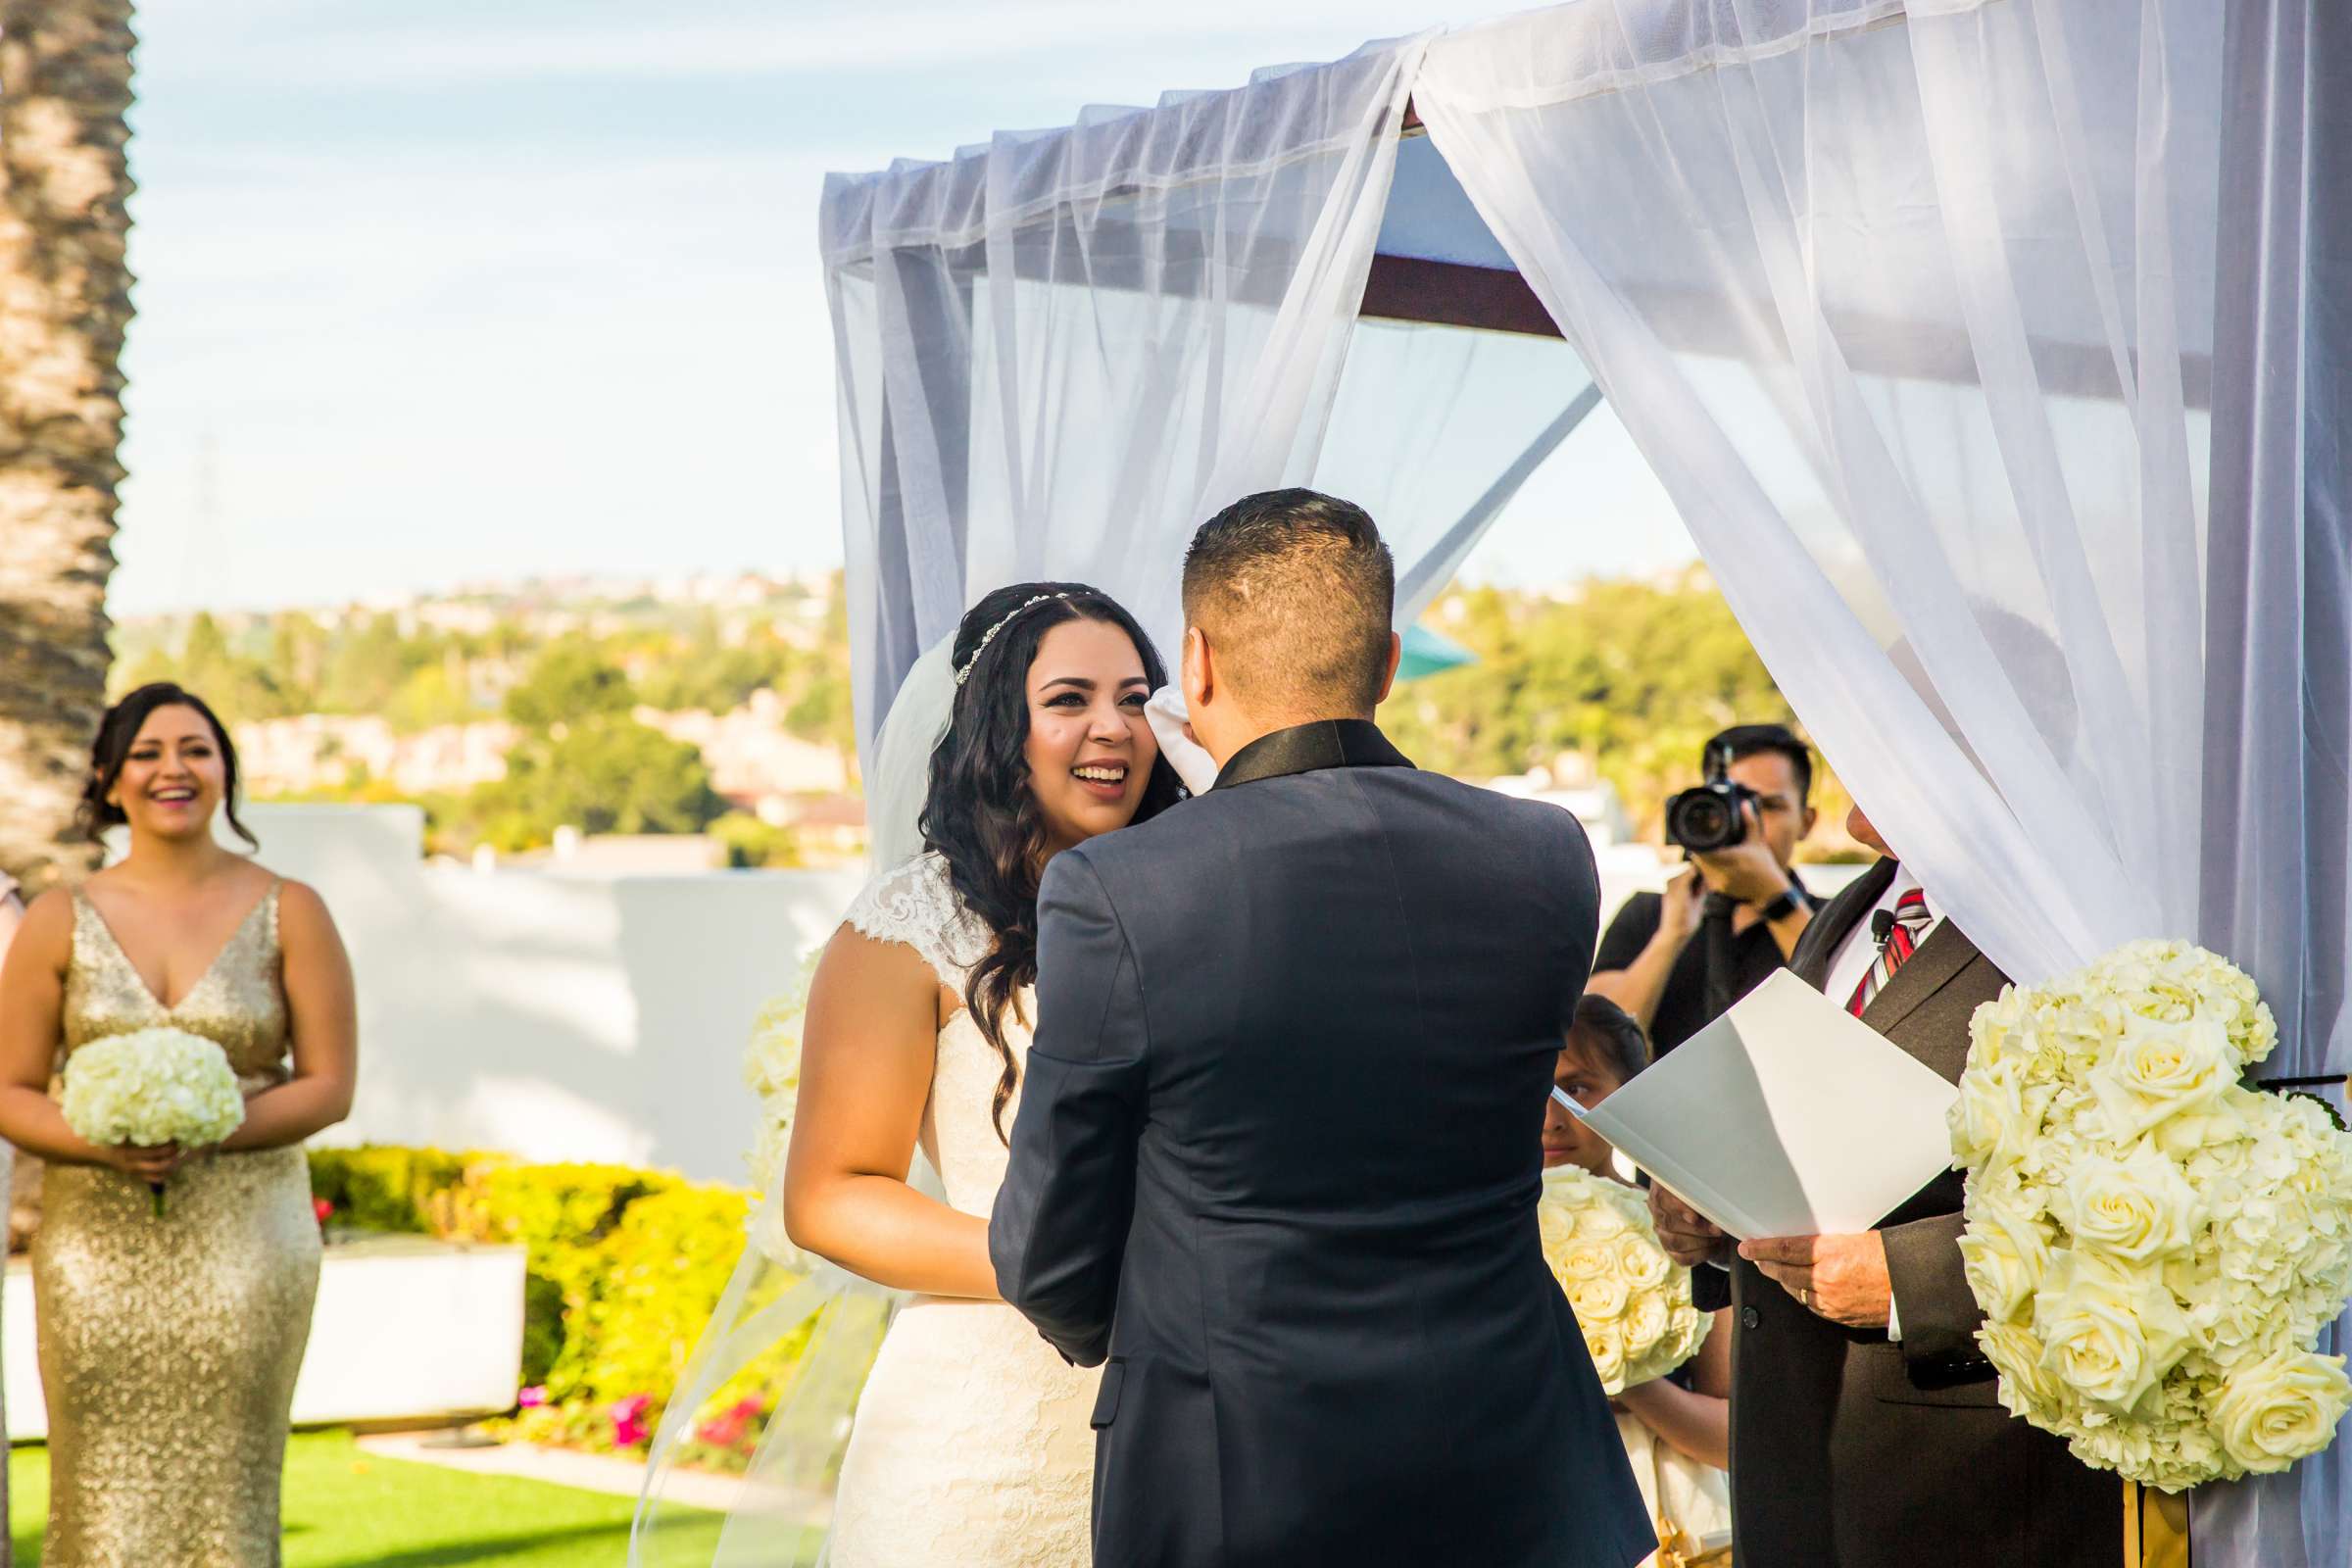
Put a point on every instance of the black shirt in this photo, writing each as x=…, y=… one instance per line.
x=1683, y=1005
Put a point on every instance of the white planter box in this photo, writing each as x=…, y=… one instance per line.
x=406, y=1328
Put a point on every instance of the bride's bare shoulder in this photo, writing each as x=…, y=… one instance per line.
x=855, y=962
x=869, y=985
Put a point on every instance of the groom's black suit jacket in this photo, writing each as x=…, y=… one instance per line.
x=1277, y=1157
x=1852, y=1452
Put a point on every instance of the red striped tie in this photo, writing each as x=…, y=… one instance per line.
x=1901, y=940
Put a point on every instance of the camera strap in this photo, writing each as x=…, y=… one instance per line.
x=1715, y=931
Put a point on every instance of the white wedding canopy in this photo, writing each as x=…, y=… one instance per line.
x=1989, y=349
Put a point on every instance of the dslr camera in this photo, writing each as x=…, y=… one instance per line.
x=1712, y=816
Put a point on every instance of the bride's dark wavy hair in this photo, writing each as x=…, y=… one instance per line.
x=980, y=814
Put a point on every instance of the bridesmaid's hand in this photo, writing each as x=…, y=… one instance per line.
x=148, y=1162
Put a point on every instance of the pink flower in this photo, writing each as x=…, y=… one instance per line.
x=322, y=1208
x=629, y=1429
x=728, y=1429
x=533, y=1397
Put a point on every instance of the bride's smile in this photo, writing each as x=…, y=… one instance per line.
x=1089, y=748
x=1105, y=781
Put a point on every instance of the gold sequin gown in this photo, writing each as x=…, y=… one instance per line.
x=169, y=1344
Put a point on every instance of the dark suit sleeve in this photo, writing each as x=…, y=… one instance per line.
x=1059, y=1230
x=1637, y=921
x=1710, y=1287
x=1579, y=893
x=1939, y=1312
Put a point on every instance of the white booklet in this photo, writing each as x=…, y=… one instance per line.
x=1787, y=1117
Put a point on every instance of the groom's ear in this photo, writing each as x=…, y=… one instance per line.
x=1199, y=673
x=1388, y=680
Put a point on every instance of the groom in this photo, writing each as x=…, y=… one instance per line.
x=1278, y=1142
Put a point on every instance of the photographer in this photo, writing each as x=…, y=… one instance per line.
x=1739, y=897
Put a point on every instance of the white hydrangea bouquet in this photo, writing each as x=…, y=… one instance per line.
x=771, y=1070
x=151, y=1086
x=1632, y=1301
x=2156, y=1248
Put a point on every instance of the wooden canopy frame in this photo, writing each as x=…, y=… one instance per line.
x=1407, y=288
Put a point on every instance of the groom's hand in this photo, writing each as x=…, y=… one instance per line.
x=1689, y=1237
x=1843, y=1278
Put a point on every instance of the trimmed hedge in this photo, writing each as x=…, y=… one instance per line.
x=404, y=1191
x=624, y=1267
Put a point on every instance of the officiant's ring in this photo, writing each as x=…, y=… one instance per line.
x=1804, y=1297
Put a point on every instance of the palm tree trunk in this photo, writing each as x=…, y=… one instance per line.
x=65, y=303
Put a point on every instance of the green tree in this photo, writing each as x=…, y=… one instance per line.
x=607, y=773
x=820, y=709
x=241, y=686
x=298, y=654
x=205, y=656
x=702, y=669
x=821, y=706
x=149, y=666
x=752, y=843
x=365, y=669
x=571, y=681
x=430, y=696
x=1632, y=674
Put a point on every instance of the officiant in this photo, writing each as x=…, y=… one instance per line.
x=1731, y=918
x=1867, y=1429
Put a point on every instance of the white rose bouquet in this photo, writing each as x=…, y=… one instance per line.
x=2155, y=1247
x=1632, y=1301
x=152, y=1087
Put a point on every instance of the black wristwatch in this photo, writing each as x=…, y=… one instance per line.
x=1782, y=907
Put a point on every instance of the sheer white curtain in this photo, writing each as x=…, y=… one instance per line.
x=1898, y=313
x=2278, y=669
x=1059, y=352
x=1912, y=310
x=1434, y=434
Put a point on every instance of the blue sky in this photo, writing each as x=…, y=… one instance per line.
x=436, y=290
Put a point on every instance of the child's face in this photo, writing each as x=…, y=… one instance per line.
x=1567, y=1141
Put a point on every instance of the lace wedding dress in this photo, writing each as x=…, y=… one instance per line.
x=972, y=1443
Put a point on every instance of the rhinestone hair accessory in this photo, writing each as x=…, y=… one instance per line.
x=990, y=635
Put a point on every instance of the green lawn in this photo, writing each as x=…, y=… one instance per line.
x=345, y=1510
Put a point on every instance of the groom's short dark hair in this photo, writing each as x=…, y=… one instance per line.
x=1295, y=592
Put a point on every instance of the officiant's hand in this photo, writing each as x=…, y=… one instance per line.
x=1843, y=1278
x=1689, y=1237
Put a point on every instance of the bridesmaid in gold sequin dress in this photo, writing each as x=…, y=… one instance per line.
x=169, y=1344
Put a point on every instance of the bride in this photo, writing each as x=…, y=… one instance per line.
x=971, y=1441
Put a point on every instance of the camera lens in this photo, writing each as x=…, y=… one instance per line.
x=1703, y=822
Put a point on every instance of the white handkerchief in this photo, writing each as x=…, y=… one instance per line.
x=1787, y=1117
x=1165, y=712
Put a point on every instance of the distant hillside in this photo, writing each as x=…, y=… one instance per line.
x=509, y=711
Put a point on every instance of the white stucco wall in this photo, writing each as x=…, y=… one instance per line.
x=555, y=1016
x=404, y=1330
